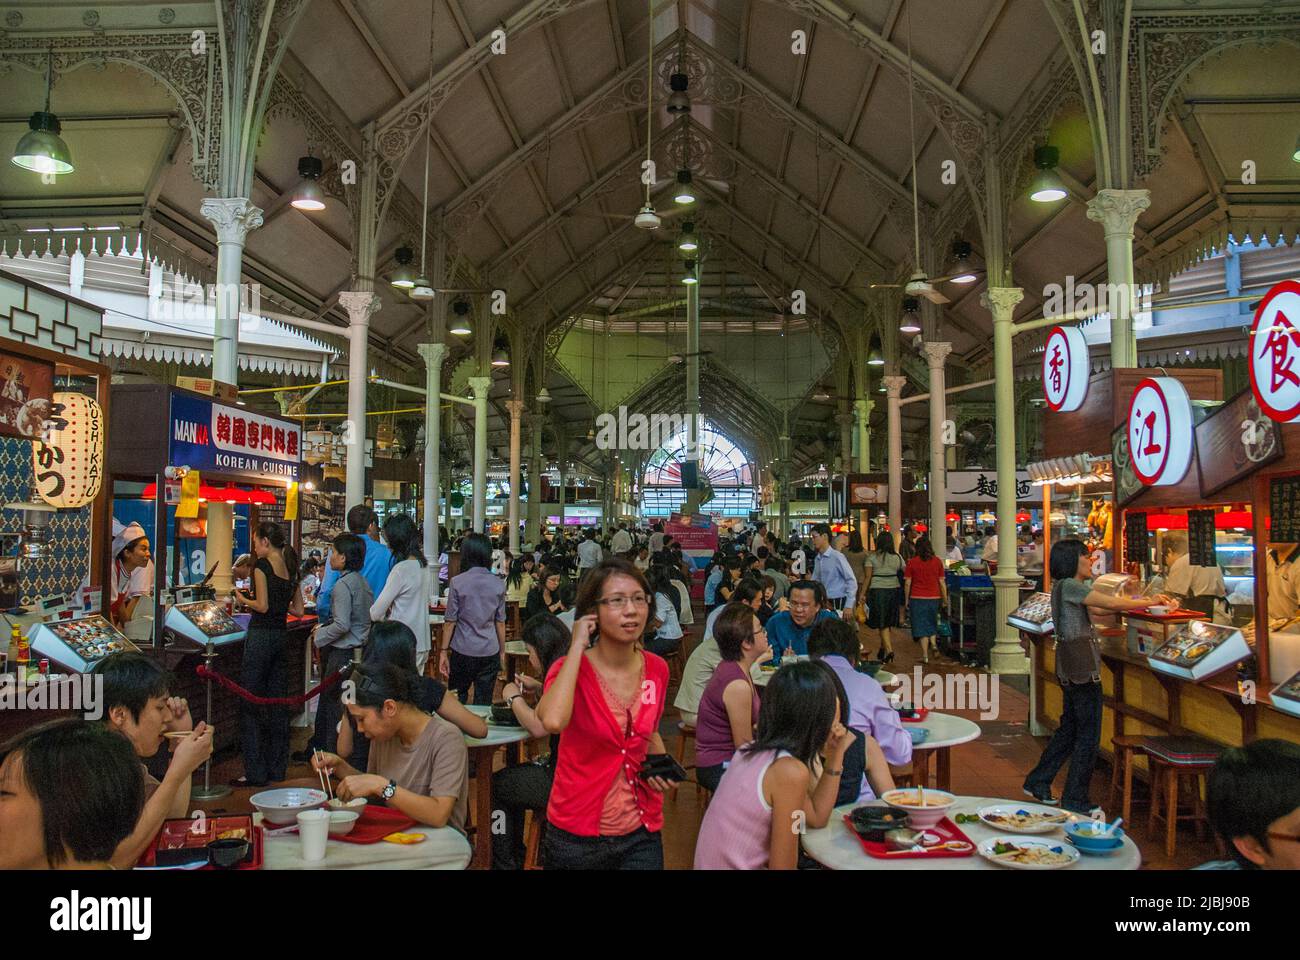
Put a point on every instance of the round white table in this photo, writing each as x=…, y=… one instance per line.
x=444, y=849
x=946, y=732
x=835, y=846
x=482, y=751
x=761, y=676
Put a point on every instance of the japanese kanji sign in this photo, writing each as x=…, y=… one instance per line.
x=232, y=441
x=1275, y=353
x=68, y=461
x=1065, y=369
x=1160, y=425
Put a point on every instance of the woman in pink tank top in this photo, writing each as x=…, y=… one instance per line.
x=767, y=797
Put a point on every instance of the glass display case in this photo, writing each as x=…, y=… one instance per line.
x=201, y=623
x=77, y=645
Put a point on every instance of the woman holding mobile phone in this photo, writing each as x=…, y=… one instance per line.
x=605, y=699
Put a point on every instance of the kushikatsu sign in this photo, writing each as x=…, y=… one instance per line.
x=1275, y=353
x=1065, y=369
x=214, y=438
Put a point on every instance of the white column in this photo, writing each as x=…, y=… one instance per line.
x=894, y=388
x=533, y=533
x=692, y=503
x=845, y=420
x=233, y=218
x=1007, y=656
x=516, y=408
x=863, y=409
x=784, y=478
x=1118, y=211
x=935, y=355
x=359, y=304
x=219, y=545
x=432, y=354
x=481, y=387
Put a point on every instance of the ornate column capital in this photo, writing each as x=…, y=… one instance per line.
x=432, y=353
x=894, y=387
x=1001, y=301
x=360, y=305
x=480, y=386
x=936, y=354
x=865, y=407
x=516, y=408
x=233, y=217
x=1118, y=210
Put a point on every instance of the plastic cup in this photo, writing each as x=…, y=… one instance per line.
x=313, y=834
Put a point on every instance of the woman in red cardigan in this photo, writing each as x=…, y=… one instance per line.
x=605, y=700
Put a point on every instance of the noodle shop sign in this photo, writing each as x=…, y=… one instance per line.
x=68, y=461
x=1275, y=353
x=1065, y=369
x=1160, y=437
x=214, y=438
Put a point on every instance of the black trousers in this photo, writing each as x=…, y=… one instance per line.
x=330, y=706
x=515, y=791
x=639, y=850
x=710, y=777
x=265, y=729
x=1076, y=739
x=481, y=672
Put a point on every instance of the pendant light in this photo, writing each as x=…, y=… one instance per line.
x=403, y=278
x=911, y=322
x=874, y=356
x=1047, y=186
x=1296, y=155
x=688, y=242
x=41, y=149
x=963, y=271
x=423, y=290
x=460, y=322
x=499, y=356
x=308, y=195
x=646, y=218
x=685, y=192
x=688, y=276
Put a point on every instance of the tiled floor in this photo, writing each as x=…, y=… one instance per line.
x=994, y=766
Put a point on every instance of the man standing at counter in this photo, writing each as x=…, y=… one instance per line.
x=1196, y=585
x=379, y=559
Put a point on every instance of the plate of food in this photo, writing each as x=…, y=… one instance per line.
x=1022, y=818
x=1028, y=853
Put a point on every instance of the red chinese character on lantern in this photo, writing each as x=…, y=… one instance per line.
x=279, y=440
x=1055, y=364
x=291, y=443
x=1281, y=337
x=238, y=433
x=223, y=428
x=254, y=435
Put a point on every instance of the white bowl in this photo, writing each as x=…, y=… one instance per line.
x=1159, y=610
x=936, y=806
x=356, y=803
x=282, y=806
x=342, y=821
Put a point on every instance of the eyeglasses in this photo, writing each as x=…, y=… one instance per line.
x=1278, y=835
x=636, y=600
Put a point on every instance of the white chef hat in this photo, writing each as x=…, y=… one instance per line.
x=125, y=535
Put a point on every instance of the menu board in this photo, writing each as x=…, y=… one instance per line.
x=209, y=617
x=1284, y=509
x=1234, y=441
x=1200, y=538
x=78, y=644
x=1034, y=615
x=1127, y=485
x=1199, y=649
x=1136, y=549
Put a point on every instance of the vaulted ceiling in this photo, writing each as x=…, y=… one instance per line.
x=798, y=141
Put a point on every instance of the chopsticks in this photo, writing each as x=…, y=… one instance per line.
x=324, y=780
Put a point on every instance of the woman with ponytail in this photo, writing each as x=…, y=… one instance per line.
x=264, y=730
x=418, y=762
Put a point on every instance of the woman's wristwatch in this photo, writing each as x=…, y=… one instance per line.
x=389, y=790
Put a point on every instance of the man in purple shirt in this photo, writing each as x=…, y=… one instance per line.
x=836, y=642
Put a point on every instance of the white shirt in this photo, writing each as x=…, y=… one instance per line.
x=1283, y=589
x=712, y=619
x=589, y=554
x=621, y=542
x=642, y=564
x=669, y=626
x=139, y=583
x=405, y=598
x=755, y=543
x=990, y=548
x=1187, y=580
x=954, y=551
x=656, y=541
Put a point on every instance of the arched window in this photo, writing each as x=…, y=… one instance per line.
x=724, y=465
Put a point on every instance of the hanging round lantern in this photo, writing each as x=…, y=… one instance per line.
x=953, y=518
x=68, y=462
x=1022, y=517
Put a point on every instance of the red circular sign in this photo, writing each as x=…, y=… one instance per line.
x=1274, y=361
x=1154, y=420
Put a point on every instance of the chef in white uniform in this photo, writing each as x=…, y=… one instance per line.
x=1186, y=579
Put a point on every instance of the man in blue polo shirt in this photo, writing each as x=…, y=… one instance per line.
x=787, y=632
x=379, y=560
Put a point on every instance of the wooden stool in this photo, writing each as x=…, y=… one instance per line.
x=1165, y=779
x=1121, y=773
x=686, y=732
x=533, y=831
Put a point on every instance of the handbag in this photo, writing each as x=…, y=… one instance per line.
x=860, y=613
x=944, y=626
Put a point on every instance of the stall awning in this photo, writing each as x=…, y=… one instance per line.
x=1071, y=471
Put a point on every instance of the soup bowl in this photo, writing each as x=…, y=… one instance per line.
x=919, y=817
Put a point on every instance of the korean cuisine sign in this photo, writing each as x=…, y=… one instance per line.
x=1065, y=369
x=1160, y=425
x=68, y=461
x=1275, y=353
x=214, y=438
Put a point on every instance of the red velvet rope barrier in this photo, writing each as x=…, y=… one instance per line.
x=206, y=674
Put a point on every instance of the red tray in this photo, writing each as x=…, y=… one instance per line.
x=253, y=861
x=921, y=714
x=945, y=829
x=375, y=823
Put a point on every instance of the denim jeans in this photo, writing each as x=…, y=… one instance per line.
x=639, y=850
x=1077, y=739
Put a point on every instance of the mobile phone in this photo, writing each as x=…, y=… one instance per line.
x=662, y=765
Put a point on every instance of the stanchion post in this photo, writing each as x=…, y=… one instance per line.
x=208, y=791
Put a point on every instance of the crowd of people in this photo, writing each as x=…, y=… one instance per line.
x=601, y=615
